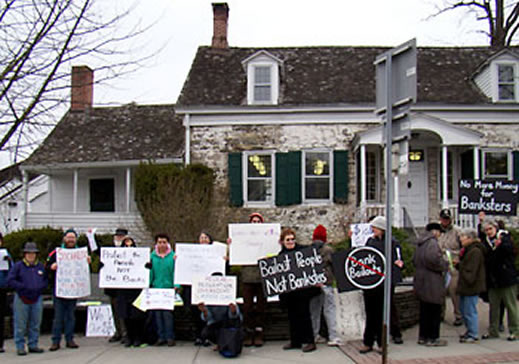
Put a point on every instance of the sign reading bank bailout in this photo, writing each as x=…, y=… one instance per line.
x=496, y=197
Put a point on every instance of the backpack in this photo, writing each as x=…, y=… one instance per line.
x=230, y=340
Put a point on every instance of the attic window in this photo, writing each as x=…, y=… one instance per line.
x=506, y=82
x=262, y=70
x=262, y=84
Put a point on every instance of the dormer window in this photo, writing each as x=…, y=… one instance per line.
x=262, y=78
x=506, y=82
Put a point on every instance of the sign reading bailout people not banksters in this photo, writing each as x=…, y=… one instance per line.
x=124, y=268
x=288, y=272
x=497, y=197
x=73, y=273
x=360, y=268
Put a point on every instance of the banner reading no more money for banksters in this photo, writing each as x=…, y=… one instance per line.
x=498, y=197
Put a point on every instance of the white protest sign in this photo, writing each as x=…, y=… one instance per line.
x=198, y=260
x=4, y=264
x=124, y=268
x=214, y=290
x=360, y=233
x=251, y=242
x=100, y=321
x=156, y=299
x=73, y=274
x=92, y=239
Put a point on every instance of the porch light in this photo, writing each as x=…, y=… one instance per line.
x=416, y=156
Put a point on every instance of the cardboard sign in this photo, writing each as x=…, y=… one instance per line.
x=4, y=264
x=251, y=242
x=124, y=268
x=214, y=290
x=198, y=260
x=156, y=299
x=359, y=268
x=73, y=273
x=493, y=197
x=100, y=321
x=288, y=272
x=360, y=233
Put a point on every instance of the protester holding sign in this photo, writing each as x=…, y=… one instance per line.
x=6, y=259
x=64, y=308
x=161, y=276
x=134, y=319
x=429, y=285
x=501, y=279
x=223, y=327
x=28, y=279
x=297, y=303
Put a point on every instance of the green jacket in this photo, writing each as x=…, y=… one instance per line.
x=162, y=270
x=472, y=279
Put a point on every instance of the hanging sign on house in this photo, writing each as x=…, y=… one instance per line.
x=494, y=197
x=359, y=268
x=73, y=273
x=288, y=272
x=124, y=268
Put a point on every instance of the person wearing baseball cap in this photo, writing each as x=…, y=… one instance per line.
x=450, y=245
x=28, y=279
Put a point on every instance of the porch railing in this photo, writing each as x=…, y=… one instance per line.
x=463, y=221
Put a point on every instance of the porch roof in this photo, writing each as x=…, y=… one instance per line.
x=450, y=134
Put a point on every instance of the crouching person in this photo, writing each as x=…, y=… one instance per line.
x=28, y=279
x=223, y=328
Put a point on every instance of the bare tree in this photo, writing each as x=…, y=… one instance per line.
x=501, y=17
x=39, y=42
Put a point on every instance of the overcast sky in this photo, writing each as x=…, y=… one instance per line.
x=183, y=25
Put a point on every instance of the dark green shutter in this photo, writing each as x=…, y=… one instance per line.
x=467, y=165
x=515, y=155
x=340, y=176
x=288, y=178
x=235, y=179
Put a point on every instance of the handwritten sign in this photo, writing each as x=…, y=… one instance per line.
x=73, y=274
x=359, y=268
x=198, y=260
x=288, y=272
x=100, y=321
x=360, y=233
x=493, y=197
x=251, y=242
x=4, y=264
x=156, y=299
x=124, y=268
x=92, y=239
x=214, y=290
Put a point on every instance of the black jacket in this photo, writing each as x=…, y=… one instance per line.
x=500, y=270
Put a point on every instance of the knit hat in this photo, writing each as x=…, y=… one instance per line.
x=70, y=231
x=30, y=247
x=319, y=233
x=256, y=214
x=379, y=222
x=121, y=231
x=445, y=214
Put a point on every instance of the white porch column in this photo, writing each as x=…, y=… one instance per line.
x=363, y=177
x=476, y=163
x=445, y=185
x=397, y=211
x=25, y=198
x=74, y=191
x=128, y=188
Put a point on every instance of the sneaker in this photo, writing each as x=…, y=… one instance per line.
x=437, y=342
x=319, y=339
x=335, y=342
x=469, y=340
x=458, y=322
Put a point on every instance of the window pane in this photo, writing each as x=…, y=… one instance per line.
x=371, y=176
x=259, y=190
x=262, y=75
x=102, y=195
x=506, y=92
x=262, y=93
x=496, y=164
x=506, y=73
x=317, y=188
x=259, y=166
x=317, y=164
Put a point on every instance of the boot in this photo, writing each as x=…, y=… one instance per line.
x=258, y=337
x=249, y=338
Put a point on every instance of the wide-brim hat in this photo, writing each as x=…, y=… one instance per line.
x=121, y=231
x=30, y=247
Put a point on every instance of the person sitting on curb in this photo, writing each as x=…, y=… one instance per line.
x=28, y=279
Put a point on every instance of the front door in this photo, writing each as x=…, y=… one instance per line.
x=413, y=190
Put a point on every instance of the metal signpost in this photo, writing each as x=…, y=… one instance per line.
x=396, y=90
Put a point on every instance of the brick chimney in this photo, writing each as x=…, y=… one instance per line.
x=82, y=88
x=220, y=17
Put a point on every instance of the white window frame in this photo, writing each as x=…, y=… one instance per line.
x=245, y=178
x=274, y=82
x=377, y=174
x=495, y=78
x=509, y=162
x=303, y=177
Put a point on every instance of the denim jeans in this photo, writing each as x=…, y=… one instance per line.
x=165, y=324
x=326, y=301
x=27, y=320
x=469, y=312
x=64, y=319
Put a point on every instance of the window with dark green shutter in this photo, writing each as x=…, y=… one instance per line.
x=288, y=178
x=235, y=179
x=515, y=156
x=340, y=176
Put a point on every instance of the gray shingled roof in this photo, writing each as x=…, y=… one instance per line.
x=332, y=75
x=129, y=132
